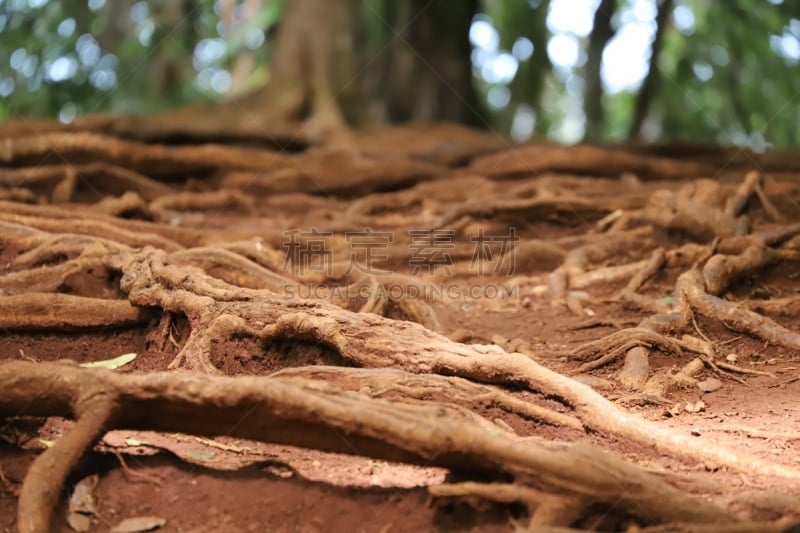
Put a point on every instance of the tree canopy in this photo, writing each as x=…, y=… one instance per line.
x=605, y=70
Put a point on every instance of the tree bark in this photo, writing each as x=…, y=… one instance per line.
x=527, y=87
x=651, y=82
x=169, y=68
x=311, y=74
x=423, y=62
x=430, y=70
x=602, y=32
x=326, y=76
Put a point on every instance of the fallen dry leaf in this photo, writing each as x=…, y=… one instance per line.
x=139, y=524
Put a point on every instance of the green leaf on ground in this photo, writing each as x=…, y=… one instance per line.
x=112, y=364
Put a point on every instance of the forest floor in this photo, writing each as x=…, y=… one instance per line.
x=679, y=266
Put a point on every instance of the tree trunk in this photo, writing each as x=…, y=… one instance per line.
x=593, y=96
x=312, y=70
x=324, y=76
x=244, y=63
x=651, y=82
x=527, y=87
x=424, y=66
x=174, y=38
x=429, y=71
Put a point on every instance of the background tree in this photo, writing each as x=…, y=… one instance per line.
x=563, y=69
x=593, y=106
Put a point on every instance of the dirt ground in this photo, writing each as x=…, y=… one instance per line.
x=530, y=250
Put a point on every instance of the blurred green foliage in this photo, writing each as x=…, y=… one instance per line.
x=72, y=58
x=736, y=77
x=729, y=70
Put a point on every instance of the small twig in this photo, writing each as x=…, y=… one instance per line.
x=226, y=447
x=594, y=323
x=171, y=336
x=723, y=369
x=642, y=399
x=742, y=370
x=727, y=373
x=700, y=332
x=760, y=433
x=771, y=211
x=133, y=473
x=723, y=343
x=785, y=382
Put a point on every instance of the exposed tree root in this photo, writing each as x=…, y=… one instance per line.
x=415, y=394
x=233, y=268
x=164, y=160
x=217, y=310
x=329, y=172
x=515, y=210
x=60, y=182
x=669, y=210
x=605, y=247
x=703, y=209
x=313, y=414
x=752, y=184
x=379, y=383
x=37, y=248
x=128, y=205
x=723, y=270
x=629, y=295
x=786, y=307
x=47, y=279
x=135, y=233
x=545, y=509
x=441, y=143
x=690, y=289
x=242, y=272
x=202, y=201
x=95, y=228
x=537, y=158
x=616, y=344
x=53, y=311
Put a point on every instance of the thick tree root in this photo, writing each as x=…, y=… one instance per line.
x=312, y=414
x=546, y=509
x=416, y=395
x=703, y=209
x=378, y=383
x=516, y=210
x=202, y=201
x=690, y=290
x=135, y=233
x=217, y=310
x=537, y=158
x=63, y=311
x=164, y=160
x=330, y=172
x=60, y=182
x=601, y=249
